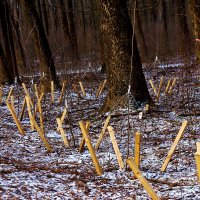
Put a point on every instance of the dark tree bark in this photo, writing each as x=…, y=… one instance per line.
x=194, y=7
x=165, y=25
x=5, y=75
x=43, y=50
x=20, y=49
x=7, y=31
x=72, y=30
x=65, y=23
x=185, y=34
x=116, y=30
x=140, y=33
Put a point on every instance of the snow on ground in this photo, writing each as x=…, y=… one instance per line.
x=28, y=171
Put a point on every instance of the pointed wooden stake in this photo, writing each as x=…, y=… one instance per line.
x=36, y=91
x=23, y=110
x=82, y=88
x=27, y=94
x=115, y=146
x=159, y=88
x=12, y=101
x=52, y=91
x=173, y=147
x=102, y=132
x=168, y=85
x=82, y=144
x=10, y=93
x=60, y=128
x=63, y=116
x=171, y=88
x=29, y=111
x=90, y=148
x=153, y=87
x=137, y=149
x=40, y=111
x=12, y=111
x=101, y=87
x=197, y=158
x=62, y=91
x=142, y=179
x=41, y=134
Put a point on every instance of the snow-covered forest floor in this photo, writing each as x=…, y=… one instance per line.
x=28, y=171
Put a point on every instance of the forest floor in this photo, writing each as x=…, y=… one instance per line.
x=28, y=171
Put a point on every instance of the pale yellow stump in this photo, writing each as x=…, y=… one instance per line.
x=90, y=148
x=115, y=146
x=168, y=85
x=1, y=94
x=197, y=158
x=102, y=87
x=62, y=91
x=19, y=126
x=60, y=128
x=171, y=151
x=41, y=134
x=29, y=111
x=171, y=88
x=82, y=144
x=27, y=94
x=52, y=91
x=160, y=87
x=10, y=93
x=137, y=149
x=12, y=101
x=75, y=89
x=23, y=109
x=153, y=87
x=142, y=179
x=82, y=88
x=102, y=132
x=36, y=91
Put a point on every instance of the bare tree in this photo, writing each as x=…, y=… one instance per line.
x=43, y=50
x=116, y=30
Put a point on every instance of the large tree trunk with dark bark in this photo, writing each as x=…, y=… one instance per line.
x=8, y=41
x=5, y=74
x=116, y=30
x=194, y=7
x=47, y=66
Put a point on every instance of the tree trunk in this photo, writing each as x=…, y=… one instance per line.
x=5, y=75
x=116, y=30
x=194, y=7
x=72, y=31
x=140, y=34
x=185, y=34
x=43, y=50
x=8, y=39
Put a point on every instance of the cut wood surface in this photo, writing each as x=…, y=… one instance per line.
x=60, y=128
x=115, y=146
x=173, y=147
x=90, y=148
x=82, y=144
x=12, y=111
x=102, y=132
x=142, y=179
x=137, y=149
x=41, y=134
x=153, y=87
